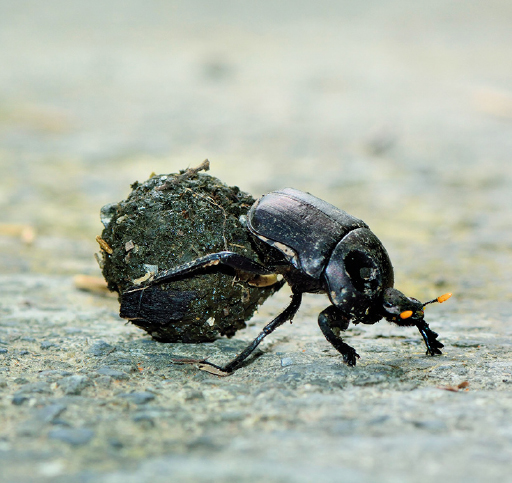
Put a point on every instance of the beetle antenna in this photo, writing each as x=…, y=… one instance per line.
x=440, y=299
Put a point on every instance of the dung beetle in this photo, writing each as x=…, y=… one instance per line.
x=317, y=248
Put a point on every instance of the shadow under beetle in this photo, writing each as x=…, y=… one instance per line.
x=317, y=248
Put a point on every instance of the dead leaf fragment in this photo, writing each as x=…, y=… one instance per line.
x=26, y=233
x=457, y=388
x=104, y=245
x=92, y=284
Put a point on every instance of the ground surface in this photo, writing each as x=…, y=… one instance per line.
x=400, y=113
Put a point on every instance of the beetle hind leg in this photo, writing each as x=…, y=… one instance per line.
x=228, y=259
x=231, y=366
x=329, y=319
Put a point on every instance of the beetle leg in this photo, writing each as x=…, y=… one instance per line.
x=430, y=338
x=228, y=259
x=231, y=366
x=328, y=319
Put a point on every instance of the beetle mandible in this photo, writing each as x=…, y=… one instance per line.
x=317, y=248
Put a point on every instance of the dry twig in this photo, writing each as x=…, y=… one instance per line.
x=189, y=173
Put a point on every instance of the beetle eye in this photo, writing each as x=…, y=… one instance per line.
x=388, y=305
x=406, y=314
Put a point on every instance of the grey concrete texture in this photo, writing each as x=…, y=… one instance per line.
x=398, y=112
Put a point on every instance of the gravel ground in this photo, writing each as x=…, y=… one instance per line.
x=399, y=113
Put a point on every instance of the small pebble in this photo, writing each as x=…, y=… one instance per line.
x=138, y=397
x=191, y=394
x=286, y=361
x=145, y=420
x=101, y=348
x=35, y=388
x=30, y=427
x=74, y=385
x=20, y=380
x=72, y=436
x=46, y=344
x=115, y=443
x=61, y=422
x=103, y=381
x=18, y=399
x=108, y=371
x=431, y=425
x=54, y=372
x=48, y=413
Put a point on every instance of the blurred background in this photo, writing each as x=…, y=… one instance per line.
x=398, y=112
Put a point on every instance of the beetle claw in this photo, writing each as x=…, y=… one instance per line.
x=433, y=351
x=351, y=357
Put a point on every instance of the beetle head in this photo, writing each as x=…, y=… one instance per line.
x=400, y=309
x=405, y=311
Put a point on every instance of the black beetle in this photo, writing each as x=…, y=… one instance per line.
x=317, y=248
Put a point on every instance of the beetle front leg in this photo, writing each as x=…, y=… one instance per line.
x=430, y=338
x=328, y=319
